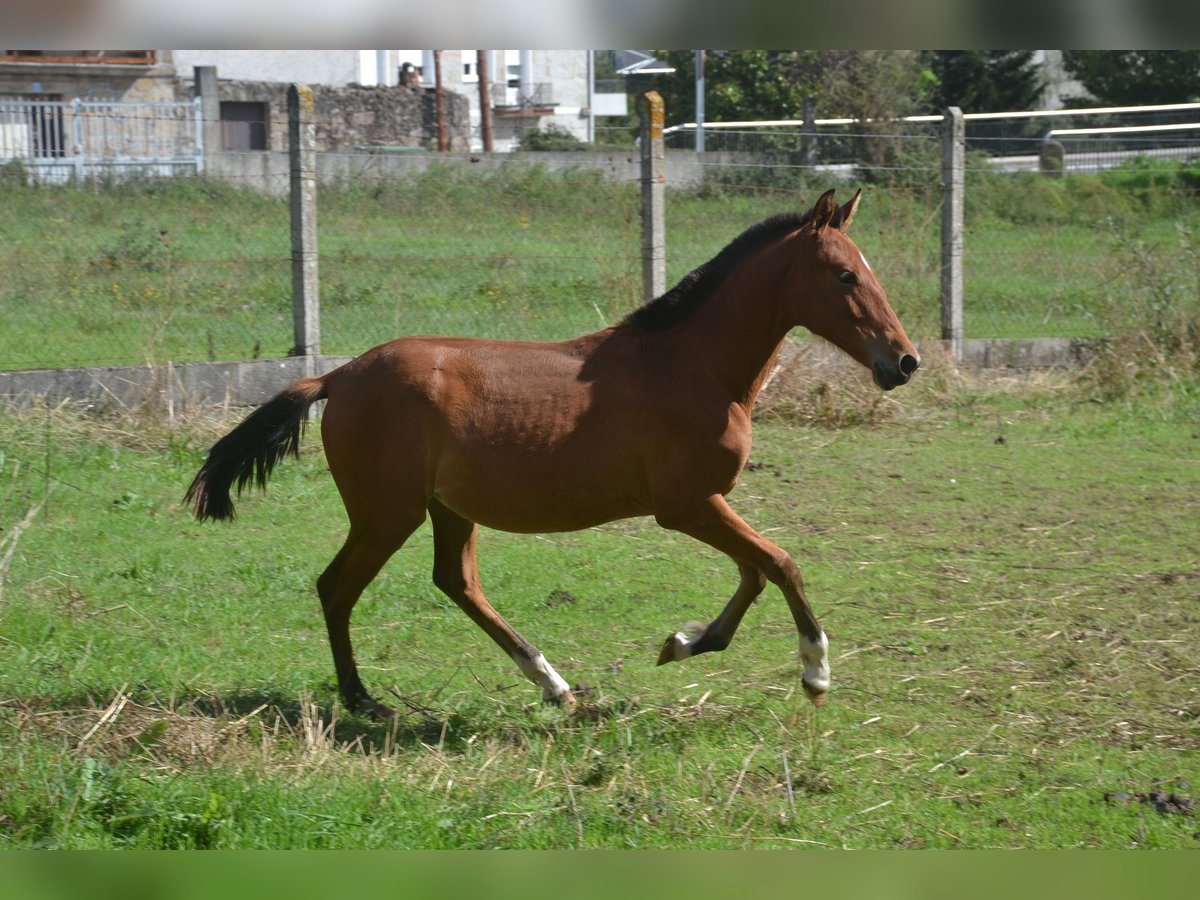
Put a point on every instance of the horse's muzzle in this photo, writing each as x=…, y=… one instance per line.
x=893, y=375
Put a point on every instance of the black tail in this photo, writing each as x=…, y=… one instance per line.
x=251, y=450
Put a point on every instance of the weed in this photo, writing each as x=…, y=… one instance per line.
x=1152, y=312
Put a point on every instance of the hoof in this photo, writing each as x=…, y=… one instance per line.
x=677, y=647
x=372, y=709
x=565, y=701
x=817, y=698
x=673, y=650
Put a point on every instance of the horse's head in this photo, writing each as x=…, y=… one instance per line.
x=842, y=300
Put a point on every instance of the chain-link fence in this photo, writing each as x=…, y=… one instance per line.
x=193, y=269
x=539, y=246
x=1058, y=207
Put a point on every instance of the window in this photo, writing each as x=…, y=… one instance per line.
x=32, y=126
x=243, y=125
x=89, y=57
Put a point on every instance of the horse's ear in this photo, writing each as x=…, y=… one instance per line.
x=823, y=211
x=841, y=219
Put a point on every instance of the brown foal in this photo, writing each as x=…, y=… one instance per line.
x=648, y=417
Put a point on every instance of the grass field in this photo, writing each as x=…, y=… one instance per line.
x=1008, y=576
x=192, y=270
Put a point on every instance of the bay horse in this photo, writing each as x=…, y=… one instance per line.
x=648, y=417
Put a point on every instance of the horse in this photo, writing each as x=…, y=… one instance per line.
x=649, y=417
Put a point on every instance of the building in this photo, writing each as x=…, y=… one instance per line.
x=529, y=89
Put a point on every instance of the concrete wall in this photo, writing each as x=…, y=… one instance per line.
x=172, y=389
x=262, y=171
x=88, y=81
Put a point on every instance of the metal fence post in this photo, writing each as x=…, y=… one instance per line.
x=654, y=255
x=302, y=139
x=954, y=139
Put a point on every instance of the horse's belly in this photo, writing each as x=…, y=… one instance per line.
x=541, y=495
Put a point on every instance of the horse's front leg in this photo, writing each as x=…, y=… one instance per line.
x=713, y=522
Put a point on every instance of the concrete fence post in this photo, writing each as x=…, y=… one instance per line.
x=306, y=308
x=205, y=88
x=953, y=184
x=654, y=254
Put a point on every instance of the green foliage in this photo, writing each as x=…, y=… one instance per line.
x=1136, y=77
x=551, y=138
x=1152, y=312
x=1139, y=188
x=739, y=85
x=1146, y=174
x=984, y=80
x=12, y=172
x=743, y=85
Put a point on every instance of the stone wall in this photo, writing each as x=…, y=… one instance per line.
x=355, y=116
x=92, y=81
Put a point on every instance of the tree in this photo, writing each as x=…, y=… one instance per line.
x=1136, y=77
x=739, y=85
x=877, y=87
x=773, y=84
x=984, y=80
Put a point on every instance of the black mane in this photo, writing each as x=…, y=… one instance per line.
x=694, y=288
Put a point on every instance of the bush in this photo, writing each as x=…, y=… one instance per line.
x=1152, y=310
x=552, y=138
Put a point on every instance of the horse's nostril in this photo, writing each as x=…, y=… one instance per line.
x=909, y=364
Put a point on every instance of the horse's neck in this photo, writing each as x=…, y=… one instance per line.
x=738, y=333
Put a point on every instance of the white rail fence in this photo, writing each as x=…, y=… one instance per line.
x=1088, y=139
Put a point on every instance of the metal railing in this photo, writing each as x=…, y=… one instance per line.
x=510, y=96
x=60, y=141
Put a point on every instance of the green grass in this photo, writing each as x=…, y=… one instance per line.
x=1008, y=580
x=193, y=270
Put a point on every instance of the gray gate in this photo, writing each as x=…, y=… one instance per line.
x=57, y=141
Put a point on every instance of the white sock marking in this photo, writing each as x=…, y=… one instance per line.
x=816, y=662
x=542, y=673
x=681, y=647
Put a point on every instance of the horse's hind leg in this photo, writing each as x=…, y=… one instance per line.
x=456, y=574
x=339, y=587
x=698, y=638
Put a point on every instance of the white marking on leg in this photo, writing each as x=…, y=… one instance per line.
x=542, y=673
x=815, y=655
x=681, y=645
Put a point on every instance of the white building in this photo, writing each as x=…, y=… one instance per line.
x=530, y=89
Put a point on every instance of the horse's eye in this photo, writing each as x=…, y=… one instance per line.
x=847, y=277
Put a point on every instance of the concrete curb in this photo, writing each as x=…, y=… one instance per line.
x=171, y=388
x=175, y=387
